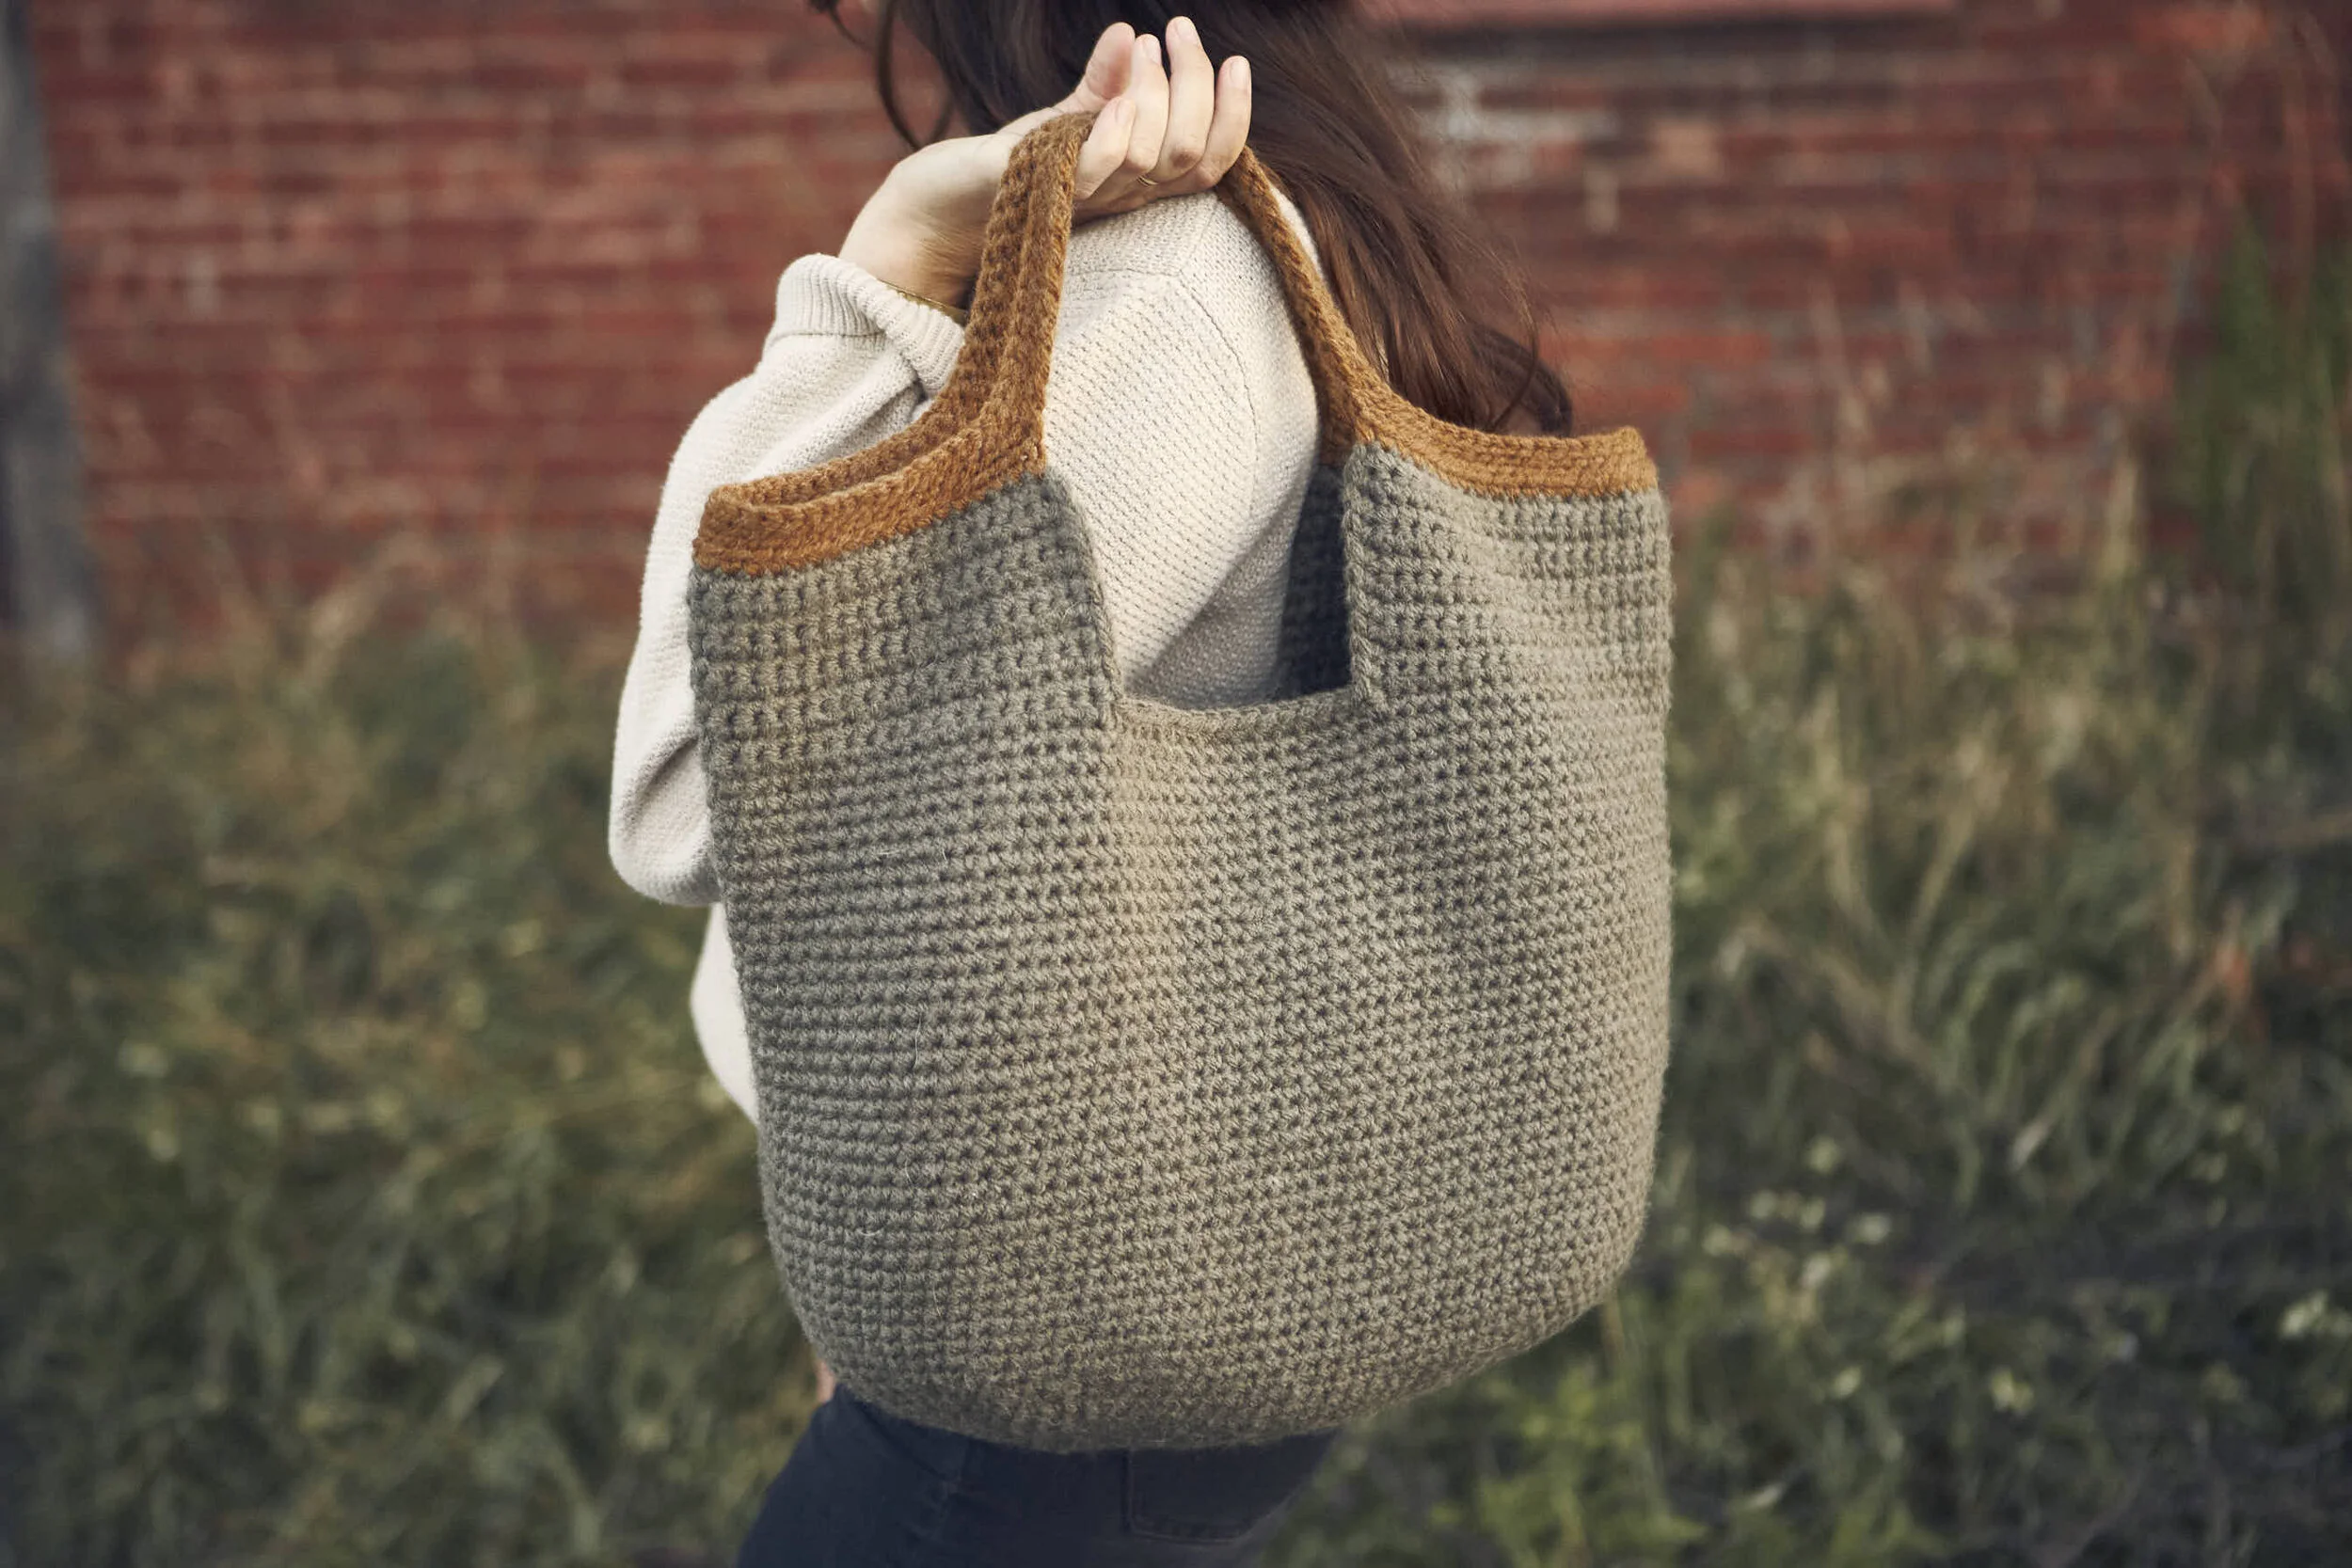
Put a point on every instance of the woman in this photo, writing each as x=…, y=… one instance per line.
x=1173, y=353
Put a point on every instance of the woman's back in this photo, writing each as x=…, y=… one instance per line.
x=1189, y=441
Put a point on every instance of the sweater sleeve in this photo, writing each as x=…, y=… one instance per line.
x=847, y=361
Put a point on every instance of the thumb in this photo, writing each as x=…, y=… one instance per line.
x=1013, y=130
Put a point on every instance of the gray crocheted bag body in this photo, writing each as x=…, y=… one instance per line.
x=1140, y=1076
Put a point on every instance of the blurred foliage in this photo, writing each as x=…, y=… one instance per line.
x=367, y=1201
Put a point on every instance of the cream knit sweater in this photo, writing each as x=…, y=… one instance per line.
x=1174, y=352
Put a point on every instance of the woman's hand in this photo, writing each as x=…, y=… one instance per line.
x=1180, y=129
x=824, y=1383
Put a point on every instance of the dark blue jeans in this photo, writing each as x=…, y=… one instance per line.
x=867, y=1489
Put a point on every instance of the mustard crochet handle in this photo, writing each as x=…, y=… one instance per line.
x=987, y=426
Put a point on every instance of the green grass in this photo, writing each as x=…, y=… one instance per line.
x=366, y=1200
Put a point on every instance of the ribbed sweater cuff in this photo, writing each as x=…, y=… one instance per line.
x=823, y=294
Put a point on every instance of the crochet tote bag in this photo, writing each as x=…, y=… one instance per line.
x=1133, y=1075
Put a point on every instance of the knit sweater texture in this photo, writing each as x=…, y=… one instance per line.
x=1179, y=409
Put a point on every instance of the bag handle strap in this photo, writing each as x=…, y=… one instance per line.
x=987, y=425
x=1016, y=298
x=1016, y=221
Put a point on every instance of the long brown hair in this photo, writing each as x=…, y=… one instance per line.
x=1416, y=280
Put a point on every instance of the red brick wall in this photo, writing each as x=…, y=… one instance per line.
x=335, y=270
x=1827, y=265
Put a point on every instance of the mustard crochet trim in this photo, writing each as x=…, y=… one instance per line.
x=986, y=427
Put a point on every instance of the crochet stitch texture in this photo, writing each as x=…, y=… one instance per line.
x=1133, y=1075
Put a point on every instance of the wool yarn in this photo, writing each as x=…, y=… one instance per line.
x=1140, y=1076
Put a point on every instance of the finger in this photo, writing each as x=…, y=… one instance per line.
x=1107, y=72
x=1229, y=128
x=1105, y=151
x=1147, y=87
x=1191, y=97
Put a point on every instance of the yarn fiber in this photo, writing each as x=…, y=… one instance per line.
x=1135, y=1075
